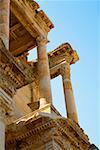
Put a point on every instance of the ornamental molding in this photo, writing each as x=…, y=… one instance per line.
x=48, y=128
x=14, y=73
x=41, y=40
x=65, y=71
x=6, y=83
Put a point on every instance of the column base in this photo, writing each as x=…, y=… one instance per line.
x=38, y=104
x=47, y=108
x=43, y=102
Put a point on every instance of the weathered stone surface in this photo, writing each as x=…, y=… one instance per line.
x=43, y=131
x=43, y=70
x=68, y=92
x=25, y=91
x=26, y=24
x=14, y=73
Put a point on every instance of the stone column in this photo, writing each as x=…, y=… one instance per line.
x=2, y=128
x=68, y=92
x=44, y=73
x=4, y=21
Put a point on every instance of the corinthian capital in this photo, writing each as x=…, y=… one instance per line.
x=41, y=40
x=65, y=71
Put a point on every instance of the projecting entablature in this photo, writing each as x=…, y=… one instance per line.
x=62, y=54
x=26, y=24
x=13, y=72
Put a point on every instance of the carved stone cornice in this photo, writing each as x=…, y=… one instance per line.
x=37, y=22
x=14, y=73
x=32, y=4
x=6, y=83
x=46, y=20
x=59, y=56
x=44, y=128
x=63, y=53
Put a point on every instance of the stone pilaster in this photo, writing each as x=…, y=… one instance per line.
x=5, y=112
x=4, y=21
x=68, y=92
x=43, y=70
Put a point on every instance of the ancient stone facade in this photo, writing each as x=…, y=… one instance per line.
x=28, y=119
x=44, y=131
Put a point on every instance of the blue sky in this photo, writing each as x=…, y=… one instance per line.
x=77, y=22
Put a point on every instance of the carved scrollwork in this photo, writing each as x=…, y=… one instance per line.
x=18, y=72
x=65, y=71
x=67, y=85
x=41, y=40
x=6, y=84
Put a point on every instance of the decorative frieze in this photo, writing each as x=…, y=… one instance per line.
x=14, y=73
x=7, y=84
x=62, y=53
x=44, y=21
x=58, y=131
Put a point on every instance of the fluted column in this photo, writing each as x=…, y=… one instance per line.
x=44, y=73
x=4, y=21
x=68, y=93
x=2, y=128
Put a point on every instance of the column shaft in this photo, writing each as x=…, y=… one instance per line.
x=43, y=70
x=4, y=21
x=68, y=93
